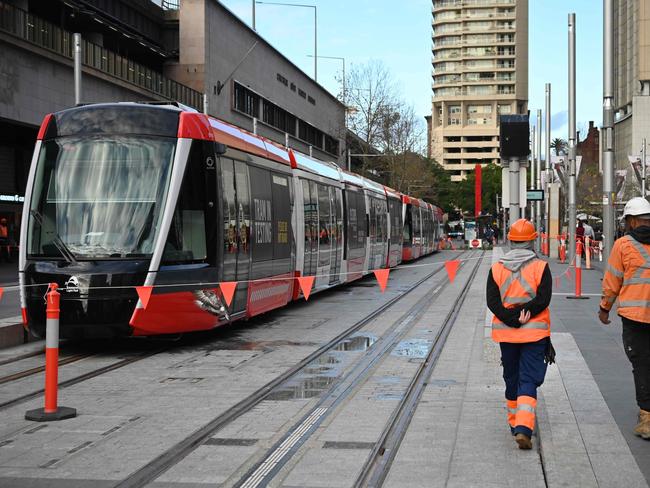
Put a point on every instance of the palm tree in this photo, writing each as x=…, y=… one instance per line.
x=559, y=145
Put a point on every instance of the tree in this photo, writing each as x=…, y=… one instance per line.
x=371, y=95
x=463, y=197
x=559, y=145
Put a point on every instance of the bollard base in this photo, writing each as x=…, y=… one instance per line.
x=577, y=298
x=39, y=414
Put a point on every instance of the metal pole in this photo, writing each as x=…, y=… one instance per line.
x=254, y=28
x=572, y=136
x=547, y=150
x=609, y=195
x=513, y=170
x=643, y=170
x=205, y=103
x=538, y=178
x=77, y=68
x=315, y=45
x=532, y=171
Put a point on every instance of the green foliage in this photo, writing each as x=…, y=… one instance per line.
x=463, y=196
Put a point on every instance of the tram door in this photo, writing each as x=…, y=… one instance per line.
x=336, y=201
x=310, y=211
x=324, y=229
x=236, y=228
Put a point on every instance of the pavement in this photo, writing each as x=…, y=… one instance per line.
x=458, y=436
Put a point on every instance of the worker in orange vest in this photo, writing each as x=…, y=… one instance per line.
x=519, y=290
x=627, y=279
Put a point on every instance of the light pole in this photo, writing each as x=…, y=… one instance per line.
x=345, y=98
x=572, y=136
x=609, y=195
x=315, y=28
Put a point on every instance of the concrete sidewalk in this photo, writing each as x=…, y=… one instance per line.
x=459, y=435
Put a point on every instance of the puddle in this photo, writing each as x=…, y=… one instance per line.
x=389, y=396
x=442, y=382
x=320, y=374
x=412, y=348
x=356, y=343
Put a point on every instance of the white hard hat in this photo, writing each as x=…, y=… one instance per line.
x=637, y=206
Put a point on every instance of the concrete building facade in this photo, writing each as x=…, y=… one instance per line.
x=480, y=71
x=632, y=96
x=136, y=50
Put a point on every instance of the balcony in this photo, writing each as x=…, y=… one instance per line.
x=43, y=34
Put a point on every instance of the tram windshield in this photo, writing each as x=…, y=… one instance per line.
x=99, y=197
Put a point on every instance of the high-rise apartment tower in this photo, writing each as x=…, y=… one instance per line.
x=480, y=70
x=632, y=95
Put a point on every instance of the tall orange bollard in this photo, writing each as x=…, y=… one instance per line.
x=587, y=253
x=562, y=248
x=51, y=411
x=578, y=268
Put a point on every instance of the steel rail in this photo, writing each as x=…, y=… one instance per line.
x=152, y=470
x=82, y=377
x=40, y=369
x=379, y=462
x=27, y=355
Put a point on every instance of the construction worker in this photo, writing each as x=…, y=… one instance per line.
x=519, y=290
x=627, y=279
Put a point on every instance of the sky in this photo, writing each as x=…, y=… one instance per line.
x=398, y=33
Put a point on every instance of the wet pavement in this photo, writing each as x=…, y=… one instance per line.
x=318, y=428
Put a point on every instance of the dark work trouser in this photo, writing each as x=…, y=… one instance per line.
x=524, y=370
x=636, y=341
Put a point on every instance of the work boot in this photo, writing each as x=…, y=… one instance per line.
x=523, y=441
x=643, y=429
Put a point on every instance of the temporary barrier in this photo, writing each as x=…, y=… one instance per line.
x=562, y=251
x=578, y=268
x=51, y=411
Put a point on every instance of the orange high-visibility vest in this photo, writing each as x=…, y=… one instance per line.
x=4, y=231
x=628, y=278
x=516, y=289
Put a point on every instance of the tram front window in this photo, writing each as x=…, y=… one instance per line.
x=100, y=197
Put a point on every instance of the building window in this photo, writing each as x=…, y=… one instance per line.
x=246, y=101
x=310, y=134
x=331, y=145
x=278, y=118
x=504, y=109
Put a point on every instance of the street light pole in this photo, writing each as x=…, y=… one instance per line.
x=315, y=28
x=609, y=195
x=254, y=2
x=572, y=135
x=538, y=178
x=344, y=85
x=643, y=170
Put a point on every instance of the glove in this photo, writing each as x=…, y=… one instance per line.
x=549, y=356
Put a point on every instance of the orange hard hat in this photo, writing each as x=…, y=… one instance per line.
x=522, y=230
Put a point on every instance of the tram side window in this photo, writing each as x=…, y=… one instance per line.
x=186, y=242
x=395, y=224
x=408, y=226
x=281, y=217
x=262, y=207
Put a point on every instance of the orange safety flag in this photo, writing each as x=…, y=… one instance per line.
x=1, y=292
x=452, y=269
x=144, y=292
x=382, y=278
x=228, y=290
x=306, y=283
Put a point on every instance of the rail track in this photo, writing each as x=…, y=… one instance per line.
x=337, y=392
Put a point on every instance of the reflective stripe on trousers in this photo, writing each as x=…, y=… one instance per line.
x=526, y=411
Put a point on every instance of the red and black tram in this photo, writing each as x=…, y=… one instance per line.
x=128, y=194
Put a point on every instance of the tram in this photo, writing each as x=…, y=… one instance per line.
x=122, y=195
